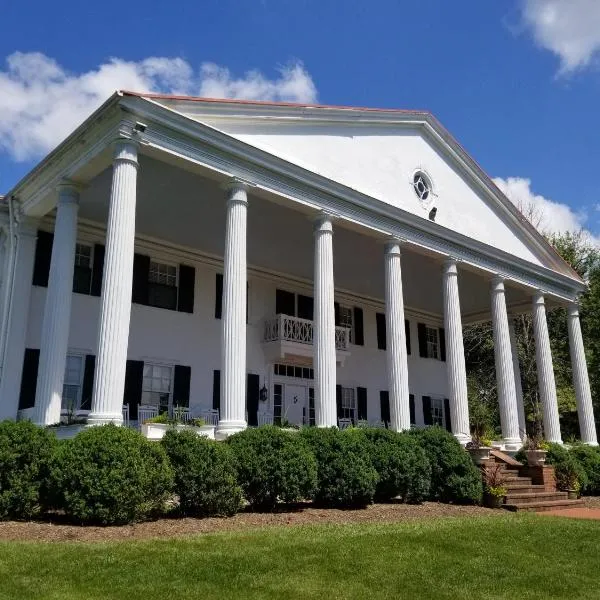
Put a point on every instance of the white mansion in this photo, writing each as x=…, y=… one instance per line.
x=314, y=263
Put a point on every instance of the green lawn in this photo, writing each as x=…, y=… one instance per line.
x=488, y=557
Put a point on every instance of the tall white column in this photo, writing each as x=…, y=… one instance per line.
x=115, y=303
x=324, y=325
x=18, y=318
x=505, y=376
x=57, y=309
x=545, y=372
x=455, y=354
x=517, y=375
x=233, y=341
x=581, y=382
x=397, y=364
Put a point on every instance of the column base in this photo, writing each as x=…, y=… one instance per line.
x=227, y=428
x=463, y=438
x=595, y=444
x=105, y=418
x=512, y=444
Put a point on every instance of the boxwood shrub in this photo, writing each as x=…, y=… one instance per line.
x=589, y=459
x=111, y=475
x=346, y=476
x=402, y=465
x=205, y=475
x=273, y=466
x=454, y=477
x=25, y=454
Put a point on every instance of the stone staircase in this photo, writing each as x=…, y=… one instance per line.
x=530, y=489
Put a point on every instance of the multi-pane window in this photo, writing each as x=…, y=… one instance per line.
x=157, y=386
x=71, y=396
x=292, y=371
x=346, y=320
x=349, y=404
x=83, y=256
x=82, y=276
x=432, y=342
x=277, y=402
x=162, y=285
x=437, y=412
x=311, y=406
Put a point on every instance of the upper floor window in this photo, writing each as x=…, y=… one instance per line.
x=71, y=396
x=162, y=285
x=422, y=186
x=432, y=342
x=346, y=320
x=82, y=275
x=157, y=386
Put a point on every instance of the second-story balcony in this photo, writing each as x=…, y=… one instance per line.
x=286, y=337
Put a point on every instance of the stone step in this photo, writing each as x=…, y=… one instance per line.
x=533, y=497
x=543, y=506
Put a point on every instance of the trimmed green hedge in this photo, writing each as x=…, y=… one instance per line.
x=588, y=458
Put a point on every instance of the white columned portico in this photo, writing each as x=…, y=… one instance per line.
x=57, y=309
x=115, y=304
x=517, y=375
x=545, y=372
x=581, y=382
x=233, y=342
x=505, y=376
x=324, y=324
x=17, y=314
x=397, y=365
x=455, y=354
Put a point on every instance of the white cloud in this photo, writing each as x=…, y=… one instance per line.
x=569, y=28
x=41, y=102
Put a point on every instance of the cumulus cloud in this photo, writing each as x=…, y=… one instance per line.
x=41, y=102
x=568, y=28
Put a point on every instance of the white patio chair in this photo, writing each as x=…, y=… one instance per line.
x=126, y=415
x=344, y=423
x=182, y=413
x=378, y=424
x=210, y=416
x=146, y=412
x=265, y=418
x=363, y=423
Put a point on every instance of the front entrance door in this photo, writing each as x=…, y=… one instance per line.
x=295, y=403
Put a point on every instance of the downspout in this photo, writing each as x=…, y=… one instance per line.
x=8, y=287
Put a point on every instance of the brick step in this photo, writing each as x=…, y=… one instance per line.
x=543, y=506
x=517, y=480
x=519, y=488
x=534, y=497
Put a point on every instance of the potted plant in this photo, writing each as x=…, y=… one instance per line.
x=535, y=450
x=480, y=446
x=156, y=427
x=494, y=489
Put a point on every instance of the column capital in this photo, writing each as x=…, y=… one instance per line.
x=323, y=222
x=126, y=150
x=27, y=227
x=450, y=266
x=393, y=245
x=573, y=310
x=497, y=283
x=538, y=298
x=68, y=192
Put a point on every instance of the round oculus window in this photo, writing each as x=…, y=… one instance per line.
x=422, y=186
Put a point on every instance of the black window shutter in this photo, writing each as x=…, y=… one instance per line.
x=43, y=255
x=422, y=335
x=181, y=386
x=442, y=344
x=285, y=303
x=31, y=361
x=384, y=405
x=381, y=333
x=359, y=328
x=427, y=418
x=447, y=415
x=218, y=295
x=87, y=389
x=141, y=272
x=306, y=307
x=97, y=270
x=361, y=398
x=217, y=389
x=338, y=401
x=411, y=406
x=185, y=294
x=336, y=313
x=252, y=397
x=407, y=334
x=134, y=376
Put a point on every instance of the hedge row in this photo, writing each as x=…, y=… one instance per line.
x=113, y=475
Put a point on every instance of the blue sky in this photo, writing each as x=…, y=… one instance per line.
x=516, y=81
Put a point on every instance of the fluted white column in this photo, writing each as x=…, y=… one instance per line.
x=545, y=372
x=115, y=303
x=57, y=309
x=581, y=382
x=233, y=341
x=455, y=354
x=517, y=376
x=505, y=375
x=324, y=325
x=397, y=364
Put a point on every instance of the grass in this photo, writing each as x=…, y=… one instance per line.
x=504, y=557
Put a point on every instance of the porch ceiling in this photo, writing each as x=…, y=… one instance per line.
x=187, y=209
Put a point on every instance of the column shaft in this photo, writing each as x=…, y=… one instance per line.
x=324, y=326
x=397, y=363
x=233, y=341
x=581, y=382
x=57, y=310
x=115, y=304
x=545, y=372
x=455, y=354
x=517, y=375
x=505, y=376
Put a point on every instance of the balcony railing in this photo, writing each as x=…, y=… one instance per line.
x=294, y=329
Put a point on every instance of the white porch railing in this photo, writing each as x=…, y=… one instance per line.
x=294, y=329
